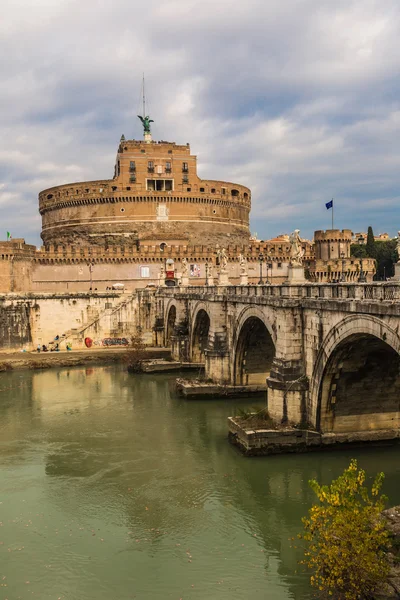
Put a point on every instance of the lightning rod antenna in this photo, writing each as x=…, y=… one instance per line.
x=144, y=99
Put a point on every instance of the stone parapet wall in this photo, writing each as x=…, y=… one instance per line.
x=27, y=320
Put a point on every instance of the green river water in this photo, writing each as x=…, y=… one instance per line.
x=113, y=488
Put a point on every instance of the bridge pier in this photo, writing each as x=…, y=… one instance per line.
x=287, y=392
x=180, y=347
x=218, y=359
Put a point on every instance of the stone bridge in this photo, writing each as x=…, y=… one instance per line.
x=328, y=354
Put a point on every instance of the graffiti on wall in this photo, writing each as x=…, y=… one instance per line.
x=109, y=342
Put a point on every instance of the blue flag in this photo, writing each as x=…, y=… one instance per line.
x=329, y=204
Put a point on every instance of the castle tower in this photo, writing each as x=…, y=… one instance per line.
x=155, y=197
x=332, y=244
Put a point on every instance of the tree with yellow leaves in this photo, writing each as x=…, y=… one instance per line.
x=346, y=537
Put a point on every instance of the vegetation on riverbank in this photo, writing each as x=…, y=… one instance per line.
x=346, y=536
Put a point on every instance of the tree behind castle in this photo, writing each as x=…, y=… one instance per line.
x=371, y=250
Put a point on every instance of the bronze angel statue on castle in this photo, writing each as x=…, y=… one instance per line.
x=146, y=123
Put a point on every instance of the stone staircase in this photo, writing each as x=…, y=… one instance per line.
x=103, y=325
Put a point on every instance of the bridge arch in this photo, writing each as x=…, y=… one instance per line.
x=199, y=332
x=356, y=379
x=254, y=347
x=170, y=322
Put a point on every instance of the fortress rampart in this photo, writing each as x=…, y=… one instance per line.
x=155, y=195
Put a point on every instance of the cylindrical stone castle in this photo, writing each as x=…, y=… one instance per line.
x=155, y=196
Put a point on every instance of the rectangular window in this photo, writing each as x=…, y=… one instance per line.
x=150, y=166
x=159, y=169
x=185, y=167
x=168, y=167
x=160, y=185
x=223, y=190
x=132, y=166
x=144, y=271
x=151, y=185
x=194, y=270
x=118, y=168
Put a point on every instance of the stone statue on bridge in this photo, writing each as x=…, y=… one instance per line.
x=209, y=274
x=162, y=275
x=223, y=259
x=185, y=268
x=296, y=250
x=184, y=273
x=244, y=280
x=243, y=264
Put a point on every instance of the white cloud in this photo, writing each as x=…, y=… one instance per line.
x=297, y=99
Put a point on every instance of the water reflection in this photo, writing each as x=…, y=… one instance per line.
x=128, y=491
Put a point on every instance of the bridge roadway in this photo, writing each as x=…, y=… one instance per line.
x=329, y=353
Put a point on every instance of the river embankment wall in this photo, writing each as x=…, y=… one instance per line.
x=27, y=320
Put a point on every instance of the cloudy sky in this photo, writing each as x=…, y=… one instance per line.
x=298, y=99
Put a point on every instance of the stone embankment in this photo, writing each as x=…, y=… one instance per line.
x=47, y=360
x=391, y=589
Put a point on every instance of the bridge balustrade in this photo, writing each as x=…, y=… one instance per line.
x=376, y=291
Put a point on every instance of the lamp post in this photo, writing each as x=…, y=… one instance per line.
x=343, y=261
x=362, y=278
x=260, y=260
x=269, y=266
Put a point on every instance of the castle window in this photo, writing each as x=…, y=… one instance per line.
x=151, y=185
x=159, y=169
x=132, y=178
x=129, y=189
x=188, y=189
x=185, y=167
x=143, y=151
x=185, y=179
x=234, y=192
x=213, y=190
x=279, y=265
x=168, y=167
x=118, y=168
x=49, y=196
x=132, y=166
x=246, y=195
x=202, y=189
x=163, y=245
x=144, y=272
x=169, y=151
x=114, y=187
x=223, y=190
x=161, y=185
x=122, y=209
x=214, y=212
x=150, y=166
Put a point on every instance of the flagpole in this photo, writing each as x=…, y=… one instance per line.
x=332, y=213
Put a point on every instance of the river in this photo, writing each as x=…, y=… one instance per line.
x=113, y=488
